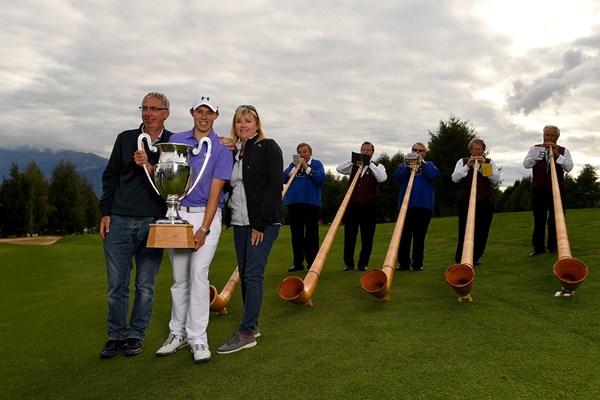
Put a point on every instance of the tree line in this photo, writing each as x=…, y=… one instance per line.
x=67, y=204
x=32, y=205
x=445, y=146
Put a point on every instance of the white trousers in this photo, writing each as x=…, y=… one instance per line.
x=190, y=291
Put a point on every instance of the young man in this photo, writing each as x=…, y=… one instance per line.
x=202, y=208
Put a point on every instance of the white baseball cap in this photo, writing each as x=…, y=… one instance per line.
x=206, y=100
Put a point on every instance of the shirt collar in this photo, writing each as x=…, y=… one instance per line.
x=142, y=128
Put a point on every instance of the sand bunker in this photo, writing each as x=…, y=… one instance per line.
x=37, y=240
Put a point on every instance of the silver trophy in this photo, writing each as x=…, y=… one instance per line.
x=171, y=180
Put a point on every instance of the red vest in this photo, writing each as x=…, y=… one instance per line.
x=365, y=191
x=541, y=173
x=484, y=186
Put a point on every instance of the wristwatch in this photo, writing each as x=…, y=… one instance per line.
x=205, y=230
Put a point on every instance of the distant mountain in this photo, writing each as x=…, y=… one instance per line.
x=89, y=165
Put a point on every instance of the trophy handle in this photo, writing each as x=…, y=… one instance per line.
x=154, y=149
x=195, y=152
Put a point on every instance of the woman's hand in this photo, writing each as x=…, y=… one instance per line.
x=257, y=237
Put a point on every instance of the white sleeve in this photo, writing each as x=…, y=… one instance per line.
x=565, y=161
x=378, y=172
x=460, y=171
x=495, y=178
x=344, y=168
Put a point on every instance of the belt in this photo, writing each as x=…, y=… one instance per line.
x=192, y=209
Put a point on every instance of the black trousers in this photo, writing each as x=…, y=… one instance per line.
x=414, y=230
x=304, y=227
x=363, y=216
x=542, y=206
x=484, y=212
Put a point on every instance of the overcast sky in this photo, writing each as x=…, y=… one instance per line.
x=330, y=73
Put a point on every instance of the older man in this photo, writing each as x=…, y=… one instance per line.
x=538, y=159
x=128, y=205
x=303, y=200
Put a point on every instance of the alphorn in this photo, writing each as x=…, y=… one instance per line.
x=461, y=276
x=296, y=159
x=300, y=291
x=570, y=271
x=219, y=301
x=377, y=282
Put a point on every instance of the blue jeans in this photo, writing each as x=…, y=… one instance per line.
x=125, y=242
x=252, y=261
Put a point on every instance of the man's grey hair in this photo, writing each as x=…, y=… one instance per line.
x=548, y=127
x=160, y=96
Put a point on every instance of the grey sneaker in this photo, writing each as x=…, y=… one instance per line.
x=201, y=353
x=255, y=332
x=171, y=345
x=237, y=342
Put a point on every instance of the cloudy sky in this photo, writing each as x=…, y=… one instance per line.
x=331, y=73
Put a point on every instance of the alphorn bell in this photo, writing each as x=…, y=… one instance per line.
x=378, y=281
x=570, y=271
x=296, y=159
x=300, y=291
x=461, y=276
x=219, y=301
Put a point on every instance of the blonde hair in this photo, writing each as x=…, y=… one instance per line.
x=241, y=112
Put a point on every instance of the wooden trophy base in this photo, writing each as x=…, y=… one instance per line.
x=171, y=236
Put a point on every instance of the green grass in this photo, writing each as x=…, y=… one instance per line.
x=514, y=341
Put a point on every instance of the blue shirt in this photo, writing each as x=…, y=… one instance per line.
x=422, y=192
x=305, y=188
x=219, y=165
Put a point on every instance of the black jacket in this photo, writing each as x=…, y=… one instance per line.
x=263, y=182
x=126, y=189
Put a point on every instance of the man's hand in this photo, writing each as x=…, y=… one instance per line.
x=104, y=226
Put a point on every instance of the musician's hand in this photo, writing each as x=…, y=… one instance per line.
x=552, y=147
x=472, y=160
x=303, y=164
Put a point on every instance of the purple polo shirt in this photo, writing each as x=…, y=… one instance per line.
x=219, y=166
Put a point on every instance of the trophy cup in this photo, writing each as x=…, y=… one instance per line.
x=172, y=178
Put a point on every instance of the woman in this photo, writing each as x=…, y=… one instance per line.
x=484, y=211
x=256, y=216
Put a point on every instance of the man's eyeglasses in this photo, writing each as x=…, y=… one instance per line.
x=153, y=109
x=418, y=150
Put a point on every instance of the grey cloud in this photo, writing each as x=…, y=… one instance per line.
x=577, y=68
x=329, y=73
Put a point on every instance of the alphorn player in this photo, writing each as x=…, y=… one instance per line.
x=303, y=200
x=541, y=187
x=420, y=208
x=362, y=208
x=487, y=175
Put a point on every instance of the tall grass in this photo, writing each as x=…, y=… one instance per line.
x=514, y=341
